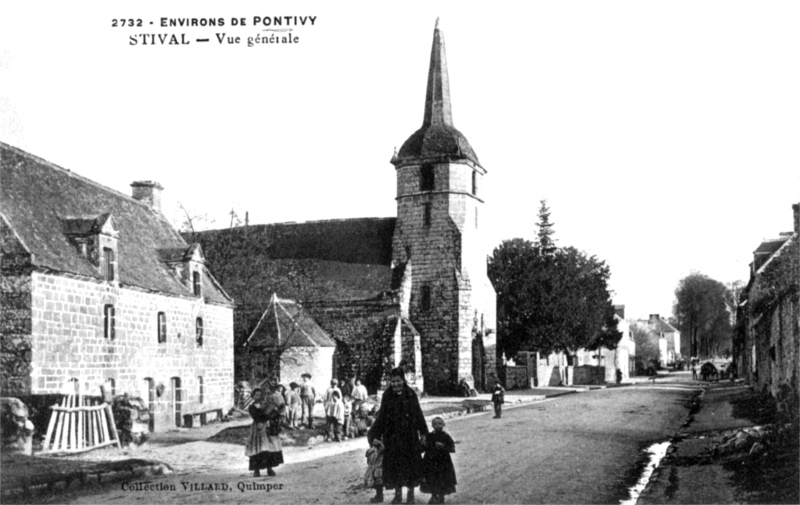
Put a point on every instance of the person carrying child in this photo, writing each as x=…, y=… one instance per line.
x=498, y=397
x=334, y=413
x=438, y=473
x=374, y=476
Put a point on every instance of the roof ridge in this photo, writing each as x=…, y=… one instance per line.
x=70, y=173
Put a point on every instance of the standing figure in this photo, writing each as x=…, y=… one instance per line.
x=401, y=426
x=359, y=391
x=374, y=476
x=334, y=414
x=498, y=397
x=694, y=372
x=334, y=388
x=294, y=405
x=264, y=444
x=348, y=416
x=439, y=475
x=307, y=398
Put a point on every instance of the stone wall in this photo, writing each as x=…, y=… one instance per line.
x=588, y=374
x=15, y=313
x=366, y=334
x=68, y=343
x=517, y=377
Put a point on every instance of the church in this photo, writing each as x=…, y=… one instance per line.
x=411, y=290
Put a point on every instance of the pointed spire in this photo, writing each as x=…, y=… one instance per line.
x=437, y=97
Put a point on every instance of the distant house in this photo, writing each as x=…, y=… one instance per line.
x=621, y=357
x=99, y=290
x=667, y=337
x=767, y=337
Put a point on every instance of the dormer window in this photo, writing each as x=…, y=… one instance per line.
x=426, y=178
x=109, y=263
x=196, y=283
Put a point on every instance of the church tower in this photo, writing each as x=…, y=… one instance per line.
x=437, y=243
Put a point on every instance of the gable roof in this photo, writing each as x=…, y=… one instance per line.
x=284, y=323
x=44, y=204
x=769, y=249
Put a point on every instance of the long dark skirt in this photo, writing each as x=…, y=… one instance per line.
x=266, y=460
x=440, y=476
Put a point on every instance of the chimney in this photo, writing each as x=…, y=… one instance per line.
x=654, y=318
x=148, y=192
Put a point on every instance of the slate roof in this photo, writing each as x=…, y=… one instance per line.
x=767, y=249
x=333, y=260
x=438, y=137
x=285, y=323
x=44, y=203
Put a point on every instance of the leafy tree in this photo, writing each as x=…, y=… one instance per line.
x=646, y=347
x=702, y=315
x=549, y=302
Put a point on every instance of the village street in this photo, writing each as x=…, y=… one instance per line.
x=579, y=448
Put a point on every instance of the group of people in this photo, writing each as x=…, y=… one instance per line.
x=403, y=452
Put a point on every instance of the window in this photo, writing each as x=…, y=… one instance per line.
x=426, y=214
x=196, y=283
x=426, y=178
x=474, y=182
x=426, y=298
x=198, y=331
x=199, y=390
x=162, y=327
x=109, y=322
x=108, y=263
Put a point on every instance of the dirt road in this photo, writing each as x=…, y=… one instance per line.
x=581, y=448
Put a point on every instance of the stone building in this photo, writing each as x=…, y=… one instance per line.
x=287, y=339
x=767, y=338
x=667, y=337
x=99, y=290
x=412, y=289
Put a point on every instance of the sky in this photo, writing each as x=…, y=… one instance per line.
x=663, y=135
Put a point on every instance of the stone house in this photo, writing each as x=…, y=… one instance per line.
x=99, y=290
x=622, y=357
x=767, y=337
x=411, y=289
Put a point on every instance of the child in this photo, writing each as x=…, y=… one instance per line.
x=438, y=473
x=348, y=413
x=293, y=404
x=374, y=476
x=334, y=413
x=498, y=397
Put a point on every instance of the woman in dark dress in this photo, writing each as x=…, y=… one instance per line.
x=264, y=444
x=401, y=426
